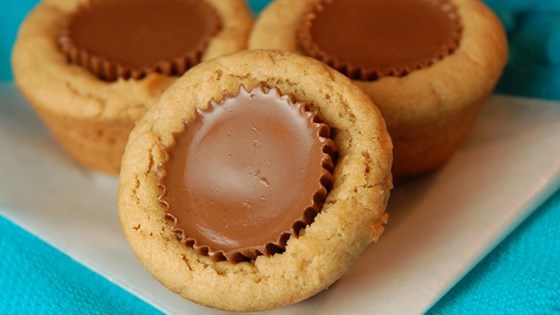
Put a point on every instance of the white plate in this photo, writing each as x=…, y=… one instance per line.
x=440, y=225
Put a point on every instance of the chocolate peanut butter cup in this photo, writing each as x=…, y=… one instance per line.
x=428, y=65
x=209, y=180
x=131, y=38
x=246, y=174
x=370, y=39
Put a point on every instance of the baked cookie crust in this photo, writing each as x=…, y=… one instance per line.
x=428, y=112
x=352, y=217
x=91, y=118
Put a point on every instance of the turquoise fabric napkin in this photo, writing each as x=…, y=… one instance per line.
x=533, y=28
x=520, y=276
x=35, y=278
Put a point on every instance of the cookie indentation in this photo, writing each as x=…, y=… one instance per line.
x=246, y=174
x=370, y=39
x=131, y=38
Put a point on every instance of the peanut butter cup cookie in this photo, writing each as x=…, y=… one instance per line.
x=428, y=64
x=255, y=181
x=91, y=68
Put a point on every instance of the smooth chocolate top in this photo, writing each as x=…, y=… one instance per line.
x=368, y=39
x=246, y=174
x=140, y=34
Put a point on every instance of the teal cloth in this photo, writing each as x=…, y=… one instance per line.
x=36, y=278
x=533, y=28
x=11, y=15
x=520, y=276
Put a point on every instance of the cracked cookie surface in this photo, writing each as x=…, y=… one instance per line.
x=91, y=118
x=352, y=217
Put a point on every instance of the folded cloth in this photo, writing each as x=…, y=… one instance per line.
x=547, y=6
x=533, y=28
x=520, y=6
x=525, y=76
x=539, y=37
x=508, y=20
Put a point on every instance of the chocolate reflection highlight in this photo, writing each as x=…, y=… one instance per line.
x=246, y=174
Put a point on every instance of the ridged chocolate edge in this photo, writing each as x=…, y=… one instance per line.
x=356, y=72
x=308, y=214
x=109, y=70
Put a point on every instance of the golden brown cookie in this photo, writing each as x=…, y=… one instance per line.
x=429, y=98
x=174, y=161
x=90, y=96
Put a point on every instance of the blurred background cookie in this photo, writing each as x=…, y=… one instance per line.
x=428, y=65
x=91, y=68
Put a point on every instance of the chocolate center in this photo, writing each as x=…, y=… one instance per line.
x=368, y=39
x=244, y=174
x=141, y=34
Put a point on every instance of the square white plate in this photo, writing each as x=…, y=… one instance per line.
x=440, y=226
